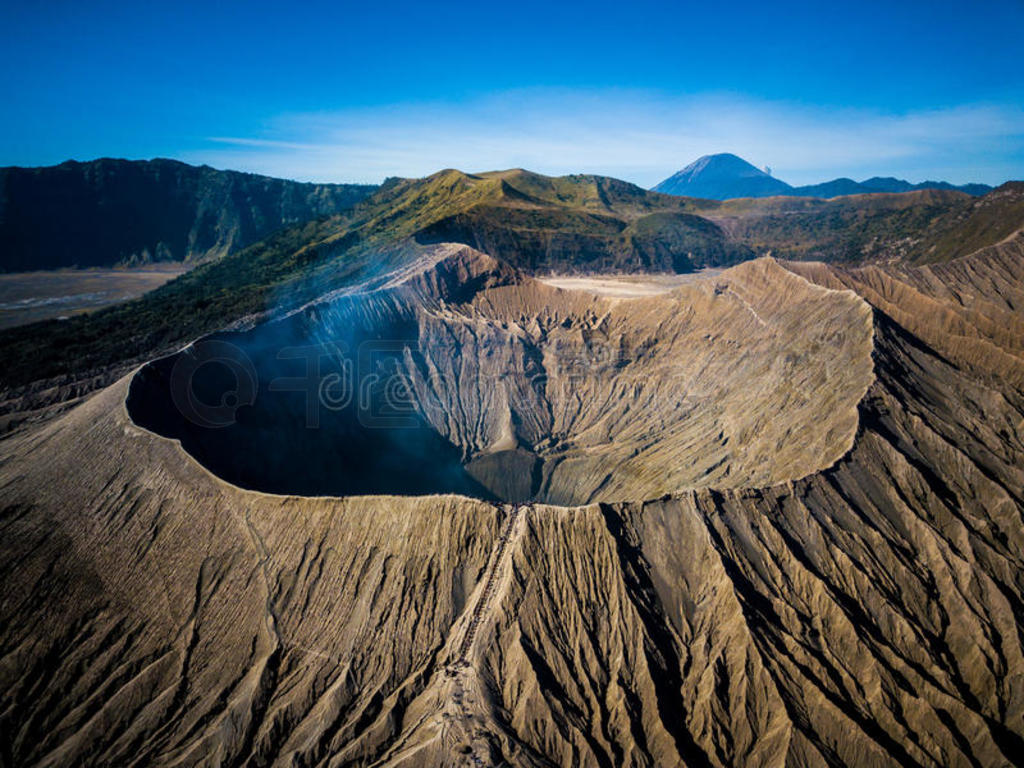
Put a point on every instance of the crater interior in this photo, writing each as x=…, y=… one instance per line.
x=462, y=375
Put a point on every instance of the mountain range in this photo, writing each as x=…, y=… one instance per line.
x=111, y=212
x=539, y=224
x=725, y=176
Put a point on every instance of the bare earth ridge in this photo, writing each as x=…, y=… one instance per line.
x=782, y=528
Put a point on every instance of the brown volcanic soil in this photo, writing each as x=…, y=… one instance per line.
x=837, y=583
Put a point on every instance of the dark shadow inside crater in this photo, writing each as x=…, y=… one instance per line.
x=273, y=410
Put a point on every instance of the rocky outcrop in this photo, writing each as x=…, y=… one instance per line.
x=866, y=610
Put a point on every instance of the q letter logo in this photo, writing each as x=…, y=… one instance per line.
x=183, y=379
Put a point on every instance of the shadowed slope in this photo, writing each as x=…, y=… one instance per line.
x=109, y=211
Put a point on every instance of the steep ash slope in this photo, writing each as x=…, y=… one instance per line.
x=866, y=615
x=866, y=612
x=163, y=617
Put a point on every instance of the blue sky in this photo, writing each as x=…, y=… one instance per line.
x=356, y=92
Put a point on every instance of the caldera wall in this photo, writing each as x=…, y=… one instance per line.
x=465, y=376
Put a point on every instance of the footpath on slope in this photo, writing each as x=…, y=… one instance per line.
x=463, y=731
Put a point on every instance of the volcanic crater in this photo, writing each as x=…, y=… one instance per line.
x=460, y=374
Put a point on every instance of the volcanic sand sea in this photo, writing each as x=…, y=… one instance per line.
x=628, y=286
x=27, y=297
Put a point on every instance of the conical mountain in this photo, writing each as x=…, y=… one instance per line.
x=720, y=177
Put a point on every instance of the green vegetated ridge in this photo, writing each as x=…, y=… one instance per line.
x=987, y=221
x=542, y=224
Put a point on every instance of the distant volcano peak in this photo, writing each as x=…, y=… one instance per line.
x=722, y=176
x=723, y=162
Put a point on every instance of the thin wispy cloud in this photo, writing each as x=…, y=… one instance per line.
x=638, y=136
